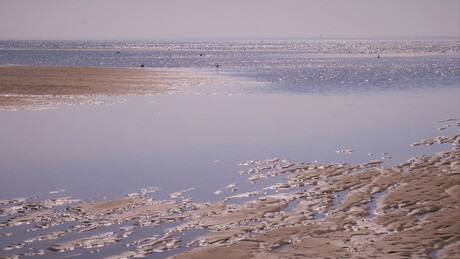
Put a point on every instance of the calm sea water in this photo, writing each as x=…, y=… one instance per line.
x=287, y=66
x=297, y=100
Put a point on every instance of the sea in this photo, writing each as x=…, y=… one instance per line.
x=291, y=66
x=296, y=100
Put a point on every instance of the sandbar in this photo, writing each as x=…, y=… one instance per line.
x=32, y=87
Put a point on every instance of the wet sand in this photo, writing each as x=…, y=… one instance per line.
x=317, y=211
x=24, y=87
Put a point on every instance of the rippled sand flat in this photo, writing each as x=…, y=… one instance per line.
x=318, y=210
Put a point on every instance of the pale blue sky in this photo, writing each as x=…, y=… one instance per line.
x=157, y=19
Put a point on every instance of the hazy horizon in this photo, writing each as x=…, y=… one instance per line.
x=238, y=19
x=415, y=38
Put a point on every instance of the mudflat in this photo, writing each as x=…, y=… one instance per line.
x=29, y=87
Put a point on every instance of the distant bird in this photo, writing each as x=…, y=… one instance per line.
x=201, y=54
x=118, y=52
x=378, y=56
x=142, y=65
x=217, y=65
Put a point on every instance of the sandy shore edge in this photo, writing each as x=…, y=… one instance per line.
x=34, y=87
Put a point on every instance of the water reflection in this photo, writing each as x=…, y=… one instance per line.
x=176, y=142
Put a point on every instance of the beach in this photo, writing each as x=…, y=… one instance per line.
x=229, y=129
x=274, y=154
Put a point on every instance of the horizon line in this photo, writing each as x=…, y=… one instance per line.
x=441, y=37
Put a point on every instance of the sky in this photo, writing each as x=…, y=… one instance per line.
x=206, y=19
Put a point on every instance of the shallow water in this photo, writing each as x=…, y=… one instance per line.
x=183, y=141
